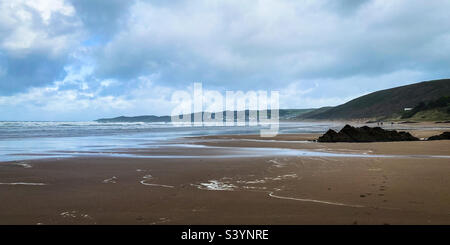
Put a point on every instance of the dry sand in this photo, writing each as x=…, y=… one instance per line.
x=256, y=190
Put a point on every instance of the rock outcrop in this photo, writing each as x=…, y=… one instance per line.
x=443, y=136
x=365, y=134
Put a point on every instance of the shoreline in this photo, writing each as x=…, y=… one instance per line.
x=265, y=189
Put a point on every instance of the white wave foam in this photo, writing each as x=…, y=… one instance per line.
x=23, y=164
x=161, y=220
x=74, y=214
x=148, y=176
x=283, y=177
x=276, y=163
x=110, y=180
x=22, y=183
x=215, y=185
x=156, y=185
x=316, y=201
x=261, y=181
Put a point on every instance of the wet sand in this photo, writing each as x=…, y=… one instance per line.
x=249, y=190
x=430, y=148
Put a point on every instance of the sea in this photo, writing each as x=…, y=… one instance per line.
x=34, y=140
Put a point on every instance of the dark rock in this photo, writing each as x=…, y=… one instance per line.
x=332, y=136
x=443, y=136
x=365, y=134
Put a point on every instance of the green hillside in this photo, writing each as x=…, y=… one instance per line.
x=284, y=114
x=436, y=110
x=389, y=103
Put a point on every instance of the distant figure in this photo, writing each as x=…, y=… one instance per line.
x=381, y=123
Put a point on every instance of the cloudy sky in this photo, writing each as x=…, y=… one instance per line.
x=85, y=59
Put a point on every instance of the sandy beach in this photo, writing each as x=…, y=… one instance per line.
x=380, y=183
x=225, y=113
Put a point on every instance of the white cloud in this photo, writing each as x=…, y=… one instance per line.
x=315, y=52
x=267, y=42
x=30, y=25
x=72, y=97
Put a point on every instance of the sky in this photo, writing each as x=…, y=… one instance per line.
x=76, y=60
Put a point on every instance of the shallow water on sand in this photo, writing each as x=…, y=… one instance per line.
x=37, y=140
x=33, y=140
